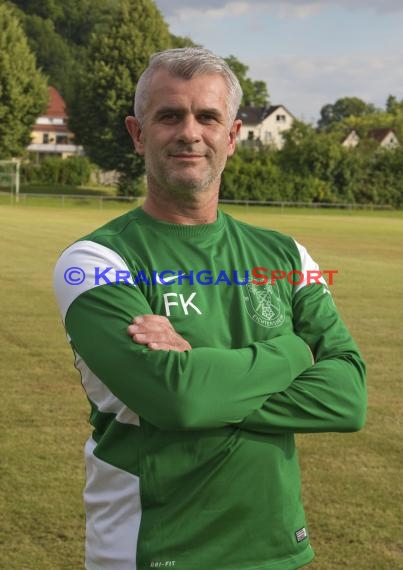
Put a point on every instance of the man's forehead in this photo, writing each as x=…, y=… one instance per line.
x=200, y=93
x=203, y=85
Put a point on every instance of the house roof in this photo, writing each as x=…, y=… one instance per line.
x=380, y=134
x=351, y=134
x=56, y=105
x=255, y=115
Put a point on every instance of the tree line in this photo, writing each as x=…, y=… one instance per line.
x=93, y=52
x=313, y=166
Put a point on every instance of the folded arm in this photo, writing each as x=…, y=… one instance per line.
x=331, y=395
x=199, y=388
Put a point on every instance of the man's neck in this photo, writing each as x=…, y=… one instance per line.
x=201, y=209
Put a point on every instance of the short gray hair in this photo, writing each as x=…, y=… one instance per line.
x=186, y=63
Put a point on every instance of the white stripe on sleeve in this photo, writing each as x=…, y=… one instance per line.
x=83, y=266
x=309, y=268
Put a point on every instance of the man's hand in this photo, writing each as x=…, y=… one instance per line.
x=157, y=333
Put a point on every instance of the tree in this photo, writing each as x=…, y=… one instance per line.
x=54, y=54
x=59, y=32
x=182, y=41
x=394, y=110
x=312, y=162
x=73, y=20
x=46, y=8
x=252, y=174
x=392, y=104
x=342, y=109
x=23, y=89
x=115, y=62
x=255, y=93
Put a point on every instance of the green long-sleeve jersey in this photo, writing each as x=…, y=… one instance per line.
x=192, y=463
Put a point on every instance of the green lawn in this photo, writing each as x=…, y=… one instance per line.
x=352, y=483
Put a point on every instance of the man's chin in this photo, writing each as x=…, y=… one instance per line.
x=181, y=185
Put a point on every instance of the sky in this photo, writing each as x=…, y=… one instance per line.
x=308, y=52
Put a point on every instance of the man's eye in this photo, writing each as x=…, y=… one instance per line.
x=207, y=118
x=169, y=118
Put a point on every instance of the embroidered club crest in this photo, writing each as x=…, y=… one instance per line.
x=264, y=305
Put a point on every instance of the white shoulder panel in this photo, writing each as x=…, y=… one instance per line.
x=83, y=266
x=309, y=268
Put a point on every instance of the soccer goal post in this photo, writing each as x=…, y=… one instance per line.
x=10, y=177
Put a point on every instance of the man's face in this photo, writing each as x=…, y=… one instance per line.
x=185, y=137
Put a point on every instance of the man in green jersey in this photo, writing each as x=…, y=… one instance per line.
x=199, y=369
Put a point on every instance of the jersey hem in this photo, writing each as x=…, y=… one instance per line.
x=292, y=563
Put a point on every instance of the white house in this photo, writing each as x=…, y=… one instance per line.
x=351, y=140
x=386, y=138
x=264, y=124
x=50, y=134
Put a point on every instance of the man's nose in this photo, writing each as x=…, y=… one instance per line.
x=190, y=129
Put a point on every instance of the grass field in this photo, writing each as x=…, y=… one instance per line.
x=352, y=483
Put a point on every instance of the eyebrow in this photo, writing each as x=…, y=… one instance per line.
x=181, y=110
x=164, y=110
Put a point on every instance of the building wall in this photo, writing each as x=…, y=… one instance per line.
x=269, y=131
x=351, y=140
x=50, y=135
x=390, y=141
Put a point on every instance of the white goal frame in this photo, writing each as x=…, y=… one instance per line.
x=14, y=176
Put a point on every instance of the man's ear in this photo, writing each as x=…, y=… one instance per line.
x=136, y=134
x=233, y=135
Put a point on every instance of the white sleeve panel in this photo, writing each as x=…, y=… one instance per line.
x=83, y=266
x=309, y=268
x=113, y=514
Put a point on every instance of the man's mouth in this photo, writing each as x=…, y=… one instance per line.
x=186, y=155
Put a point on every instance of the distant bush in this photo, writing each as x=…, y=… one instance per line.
x=315, y=167
x=75, y=171
x=131, y=186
